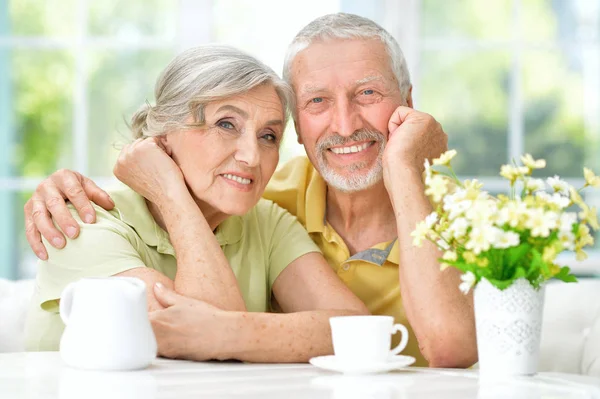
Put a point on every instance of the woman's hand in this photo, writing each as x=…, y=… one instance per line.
x=188, y=328
x=147, y=167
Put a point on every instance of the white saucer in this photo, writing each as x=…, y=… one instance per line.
x=334, y=364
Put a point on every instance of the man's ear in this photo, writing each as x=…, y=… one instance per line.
x=298, y=133
x=409, y=100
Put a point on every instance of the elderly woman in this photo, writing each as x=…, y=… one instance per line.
x=192, y=224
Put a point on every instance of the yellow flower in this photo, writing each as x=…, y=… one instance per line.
x=420, y=233
x=576, y=198
x=437, y=188
x=469, y=257
x=590, y=178
x=532, y=163
x=549, y=254
x=554, y=269
x=483, y=262
x=512, y=172
x=580, y=255
x=590, y=215
x=445, y=158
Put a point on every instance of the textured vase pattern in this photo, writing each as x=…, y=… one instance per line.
x=509, y=326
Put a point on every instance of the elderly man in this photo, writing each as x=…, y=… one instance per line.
x=359, y=193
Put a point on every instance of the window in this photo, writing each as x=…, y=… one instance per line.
x=503, y=77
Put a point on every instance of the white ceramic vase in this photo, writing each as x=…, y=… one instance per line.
x=509, y=326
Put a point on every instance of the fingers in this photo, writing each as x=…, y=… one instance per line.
x=165, y=296
x=69, y=185
x=96, y=194
x=398, y=117
x=33, y=235
x=43, y=222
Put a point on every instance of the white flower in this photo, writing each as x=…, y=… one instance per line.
x=431, y=219
x=450, y=256
x=590, y=178
x=458, y=228
x=420, y=233
x=532, y=163
x=480, y=212
x=443, y=245
x=559, y=200
x=481, y=239
x=566, y=222
x=428, y=172
x=445, y=158
x=558, y=185
x=506, y=239
x=456, y=209
x=468, y=280
x=437, y=188
x=540, y=223
x=535, y=184
x=567, y=239
x=511, y=214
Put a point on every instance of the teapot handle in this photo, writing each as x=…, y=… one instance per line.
x=66, y=302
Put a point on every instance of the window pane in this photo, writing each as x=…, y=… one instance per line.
x=473, y=19
x=127, y=19
x=556, y=103
x=42, y=85
x=119, y=83
x=16, y=258
x=42, y=18
x=467, y=94
x=561, y=19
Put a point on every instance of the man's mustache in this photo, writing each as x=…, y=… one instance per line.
x=359, y=135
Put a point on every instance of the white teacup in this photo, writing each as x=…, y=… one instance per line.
x=365, y=339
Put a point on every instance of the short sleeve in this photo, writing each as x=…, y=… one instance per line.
x=288, y=239
x=102, y=249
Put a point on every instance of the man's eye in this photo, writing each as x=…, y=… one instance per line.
x=317, y=100
x=226, y=125
x=368, y=92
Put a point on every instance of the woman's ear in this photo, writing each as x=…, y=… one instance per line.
x=164, y=142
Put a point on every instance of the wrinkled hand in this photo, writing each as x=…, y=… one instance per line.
x=146, y=166
x=49, y=202
x=188, y=328
x=414, y=136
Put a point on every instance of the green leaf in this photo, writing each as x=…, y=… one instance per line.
x=514, y=255
x=565, y=275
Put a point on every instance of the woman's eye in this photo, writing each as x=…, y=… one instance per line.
x=317, y=100
x=270, y=137
x=368, y=92
x=226, y=125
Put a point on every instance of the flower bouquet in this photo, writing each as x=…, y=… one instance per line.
x=506, y=246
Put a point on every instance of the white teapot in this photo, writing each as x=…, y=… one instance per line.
x=106, y=324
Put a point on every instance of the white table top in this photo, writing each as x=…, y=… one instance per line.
x=43, y=375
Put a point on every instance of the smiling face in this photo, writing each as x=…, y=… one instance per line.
x=346, y=93
x=228, y=162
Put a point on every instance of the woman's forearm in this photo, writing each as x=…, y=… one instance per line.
x=203, y=272
x=280, y=338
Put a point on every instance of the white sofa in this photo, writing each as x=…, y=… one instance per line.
x=570, y=335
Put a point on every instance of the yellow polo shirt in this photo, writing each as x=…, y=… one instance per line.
x=258, y=245
x=371, y=274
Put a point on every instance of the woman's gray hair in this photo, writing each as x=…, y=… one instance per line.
x=348, y=26
x=198, y=76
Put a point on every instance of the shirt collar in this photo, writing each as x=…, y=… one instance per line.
x=316, y=200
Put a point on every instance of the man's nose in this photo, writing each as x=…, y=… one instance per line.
x=346, y=119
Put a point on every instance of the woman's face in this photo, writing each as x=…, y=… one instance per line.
x=228, y=162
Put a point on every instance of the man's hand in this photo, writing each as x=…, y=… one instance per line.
x=48, y=201
x=188, y=328
x=414, y=136
x=147, y=167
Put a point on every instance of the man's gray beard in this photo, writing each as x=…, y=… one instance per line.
x=360, y=181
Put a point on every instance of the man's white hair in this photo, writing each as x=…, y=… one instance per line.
x=348, y=26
